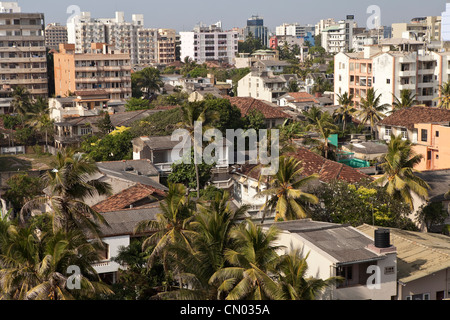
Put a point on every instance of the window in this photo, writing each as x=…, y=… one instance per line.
x=388, y=131
x=389, y=270
x=437, y=134
x=424, y=135
x=388, y=81
x=404, y=133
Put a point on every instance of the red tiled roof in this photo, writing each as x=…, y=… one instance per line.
x=126, y=198
x=302, y=97
x=315, y=164
x=247, y=104
x=407, y=118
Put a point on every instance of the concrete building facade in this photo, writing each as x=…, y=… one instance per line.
x=102, y=69
x=23, y=60
x=54, y=35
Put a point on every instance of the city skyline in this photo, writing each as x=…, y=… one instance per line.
x=157, y=16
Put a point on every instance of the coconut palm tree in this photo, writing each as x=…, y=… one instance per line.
x=284, y=190
x=67, y=185
x=399, y=179
x=192, y=113
x=34, y=265
x=292, y=86
x=346, y=109
x=40, y=118
x=406, y=100
x=247, y=277
x=171, y=225
x=371, y=110
x=290, y=131
x=324, y=126
x=212, y=226
x=21, y=101
x=149, y=80
x=444, y=96
x=291, y=277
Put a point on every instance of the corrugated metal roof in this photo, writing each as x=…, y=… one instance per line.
x=418, y=254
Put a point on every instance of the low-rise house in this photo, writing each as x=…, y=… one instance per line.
x=300, y=101
x=83, y=104
x=362, y=260
x=163, y=152
x=402, y=122
x=69, y=131
x=126, y=177
x=248, y=184
x=367, y=150
x=264, y=85
x=423, y=264
x=433, y=144
x=273, y=114
x=119, y=234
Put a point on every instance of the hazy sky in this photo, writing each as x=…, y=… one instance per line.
x=182, y=15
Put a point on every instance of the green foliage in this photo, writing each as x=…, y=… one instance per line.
x=254, y=120
x=229, y=116
x=111, y=148
x=21, y=189
x=25, y=136
x=342, y=202
x=134, y=104
x=185, y=174
x=199, y=71
x=105, y=125
x=432, y=214
x=159, y=124
x=175, y=99
x=136, y=282
x=250, y=45
x=146, y=82
x=10, y=122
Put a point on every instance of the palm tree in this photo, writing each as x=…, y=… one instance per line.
x=212, y=226
x=188, y=65
x=35, y=265
x=324, y=126
x=291, y=273
x=292, y=86
x=407, y=99
x=40, y=118
x=21, y=102
x=444, y=96
x=67, y=186
x=149, y=80
x=284, y=190
x=171, y=225
x=193, y=113
x=371, y=110
x=399, y=179
x=346, y=109
x=251, y=258
x=290, y=131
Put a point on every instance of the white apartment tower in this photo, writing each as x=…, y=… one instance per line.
x=209, y=44
x=339, y=37
x=125, y=36
x=389, y=72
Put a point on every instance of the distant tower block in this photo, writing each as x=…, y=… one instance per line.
x=445, y=24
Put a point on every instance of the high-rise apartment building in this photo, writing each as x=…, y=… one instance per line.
x=424, y=28
x=389, y=72
x=323, y=24
x=209, y=43
x=294, y=30
x=55, y=34
x=255, y=26
x=166, y=46
x=339, y=37
x=23, y=60
x=104, y=68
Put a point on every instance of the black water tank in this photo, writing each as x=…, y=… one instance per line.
x=382, y=238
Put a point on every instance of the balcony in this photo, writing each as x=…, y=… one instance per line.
x=407, y=73
x=23, y=81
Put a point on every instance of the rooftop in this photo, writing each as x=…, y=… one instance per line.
x=439, y=181
x=418, y=254
x=407, y=118
x=123, y=222
x=268, y=109
x=128, y=198
x=344, y=243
